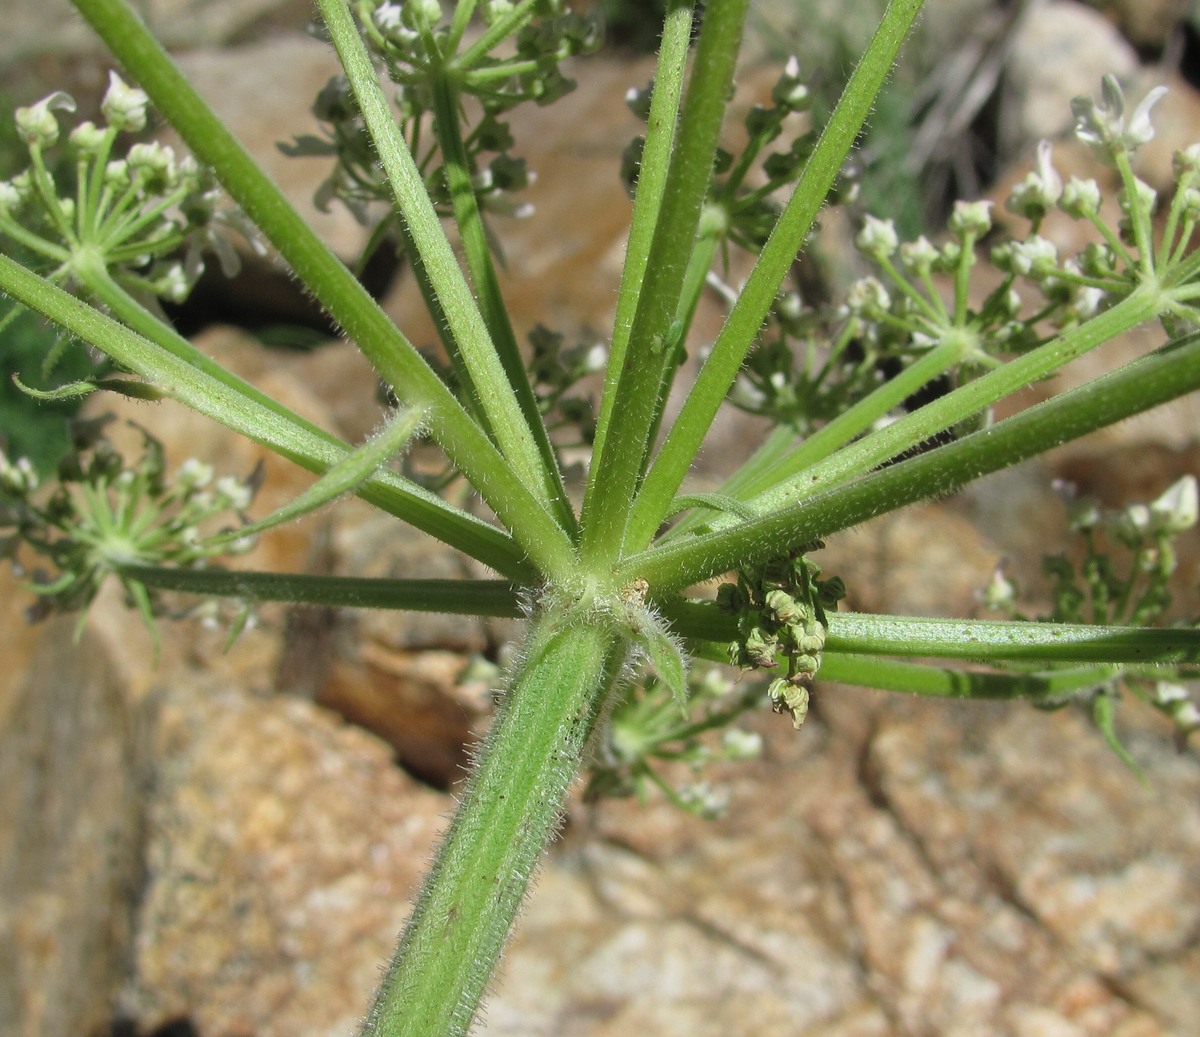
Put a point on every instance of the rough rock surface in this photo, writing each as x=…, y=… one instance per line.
x=283, y=848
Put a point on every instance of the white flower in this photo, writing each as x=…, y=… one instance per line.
x=1103, y=125
x=1034, y=196
x=236, y=494
x=741, y=745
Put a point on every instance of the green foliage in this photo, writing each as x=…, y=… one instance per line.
x=31, y=428
x=1118, y=573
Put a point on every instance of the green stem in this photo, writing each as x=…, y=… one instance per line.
x=489, y=380
x=1161, y=376
x=760, y=474
x=618, y=464
x=509, y=811
x=456, y=597
x=483, y=274
x=1010, y=640
x=545, y=542
x=741, y=329
x=1054, y=687
x=173, y=365
x=959, y=405
x=647, y=201
x=974, y=640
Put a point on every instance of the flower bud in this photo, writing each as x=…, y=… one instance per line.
x=18, y=478
x=971, y=219
x=493, y=10
x=1143, y=200
x=919, y=256
x=1186, y=162
x=86, y=139
x=234, y=493
x=791, y=92
x=37, y=125
x=878, y=238
x=1036, y=195
x=1176, y=509
x=10, y=197
x=1080, y=199
x=421, y=15
x=1035, y=257
x=1000, y=594
x=868, y=297
x=737, y=744
x=124, y=106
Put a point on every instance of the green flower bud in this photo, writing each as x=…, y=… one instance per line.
x=493, y=10
x=1080, y=199
x=918, y=256
x=10, y=197
x=421, y=15
x=1037, y=194
x=791, y=698
x=124, y=106
x=791, y=92
x=786, y=608
x=86, y=139
x=37, y=125
x=971, y=219
x=878, y=238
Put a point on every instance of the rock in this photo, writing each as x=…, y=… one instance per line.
x=71, y=819
x=1061, y=49
x=883, y=871
x=263, y=93
x=1147, y=24
x=54, y=25
x=283, y=848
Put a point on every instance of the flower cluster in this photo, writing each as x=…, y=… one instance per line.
x=742, y=204
x=781, y=611
x=1121, y=576
x=104, y=518
x=516, y=59
x=133, y=212
x=646, y=729
x=556, y=372
x=809, y=367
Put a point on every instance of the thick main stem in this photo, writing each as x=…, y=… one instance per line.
x=508, y=814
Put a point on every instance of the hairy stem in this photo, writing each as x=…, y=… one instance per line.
x=509, y=811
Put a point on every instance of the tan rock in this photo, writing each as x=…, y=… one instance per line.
x=283, y=850
x=71, y=817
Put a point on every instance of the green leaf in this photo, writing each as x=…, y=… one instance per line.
x=1104, y=713
x=664, y=655
x=712, y=502
x=74, y=390
x=347, y=475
